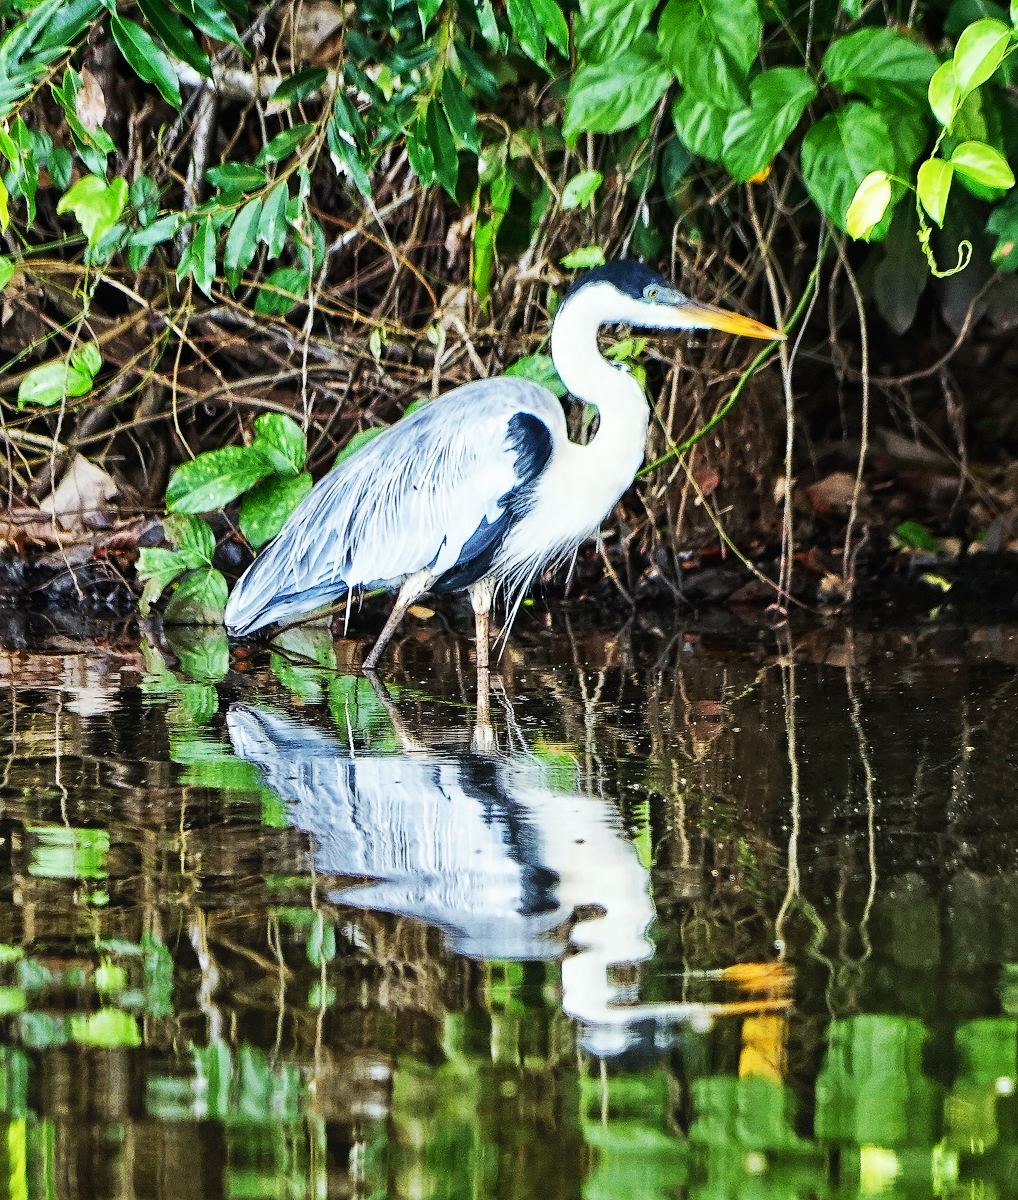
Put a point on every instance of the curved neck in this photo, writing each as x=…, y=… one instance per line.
x=610, y=387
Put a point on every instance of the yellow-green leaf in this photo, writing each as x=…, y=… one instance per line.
x=980, y=162
x=934, y=186
x=868, y=206
x=978, y=53
x=944, y=95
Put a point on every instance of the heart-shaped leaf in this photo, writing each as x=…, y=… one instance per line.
x=934, y=186
x=212, y=480
x=868, y=205
x=982, y=163
x=979, y=51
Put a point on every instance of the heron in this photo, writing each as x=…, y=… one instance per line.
x=481, y=489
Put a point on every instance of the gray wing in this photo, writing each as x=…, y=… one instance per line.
x=434, y=490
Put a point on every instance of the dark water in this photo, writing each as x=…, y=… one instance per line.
x=712, y=914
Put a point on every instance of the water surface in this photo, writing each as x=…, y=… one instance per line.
x=705, y=912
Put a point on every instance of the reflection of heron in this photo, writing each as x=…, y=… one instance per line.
x=482, y=488
x=484, y=847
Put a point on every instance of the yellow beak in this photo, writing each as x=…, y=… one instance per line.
x=706, y=316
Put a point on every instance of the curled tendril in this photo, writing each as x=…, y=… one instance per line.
x=925, y=233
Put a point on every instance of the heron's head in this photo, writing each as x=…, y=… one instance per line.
x=627, y=291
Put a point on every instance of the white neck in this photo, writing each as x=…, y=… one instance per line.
x=611, y=388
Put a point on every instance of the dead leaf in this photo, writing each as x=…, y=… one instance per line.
x=707, y=480
x=420, y=612
x=834, y=494
x=316, y=22
x=90, y=103
x=85, y=488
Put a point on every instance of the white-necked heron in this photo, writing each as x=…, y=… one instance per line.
x=482, y=488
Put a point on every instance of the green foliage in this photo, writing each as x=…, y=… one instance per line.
x=540, y=369
x=53, y=382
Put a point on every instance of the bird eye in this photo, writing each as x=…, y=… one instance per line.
x=651, y=292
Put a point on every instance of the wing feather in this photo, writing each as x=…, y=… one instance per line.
x=413, y=497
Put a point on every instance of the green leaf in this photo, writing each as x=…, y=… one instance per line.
x=87, y=359
x=212, y=480
x=554, y=24
x=868, y=205
x=1004, y=223
x=443, y=147
x=604, y=28
x=109, y=977
x=606, y=97
x=179, y=40
x=267, y=506
x=284, y=144
x=321, y=944
x=420, y=154
x=49, y=384
x=839, y=151
x=210, y=17
x=944, y=94
x=359, y=440
x=280, y=440
x=581, y=188
x=914, y=536
x=754, y=135
x=528, y=30
x=203, y=256
x=540, y=369
x=979, y=52
x=459, y=112
x=583, y=258
x=203, y=655
x=242, y=242
x=6, y=271
x=157, y=568
x=283, y=290
x=96, y=205
x=199, y=599
x=983, y=164
x=701, y=127
x=191, y=537
x=145, y=58
x=65, y=24
x=881, y=64
x=710, y=45
x=144, y=196
x=933, y=187
x=158, y=232
x=272, y=222
x=109, y=1028
x=236, y=177
x=300, y=85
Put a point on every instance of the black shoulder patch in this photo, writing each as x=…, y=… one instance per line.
x=531, y=439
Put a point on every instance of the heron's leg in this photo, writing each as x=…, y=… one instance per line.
x=413, y=587
x=407, y=740
x=481, y=594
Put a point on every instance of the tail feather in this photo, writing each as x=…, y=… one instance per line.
x=251, y=608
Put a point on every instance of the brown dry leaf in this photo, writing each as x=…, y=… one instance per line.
x=316, y=22
x=834, y=494
x=90, y=103
x=707, y=480
x=85, y=488
x=23, y=527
